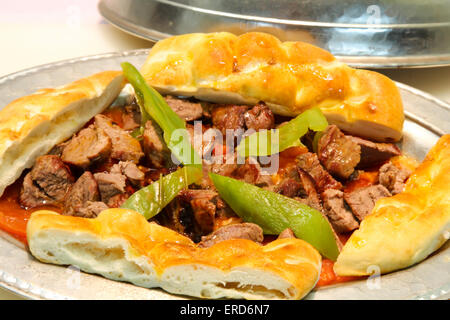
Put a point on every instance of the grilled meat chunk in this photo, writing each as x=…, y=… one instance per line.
x=362, y=200
x=393, y=178
x=31, y=195
x=47, y=183
x=124, y=146
x=83, y=191
x=112, y=188
x=58, y=149
x=248, y=172
x=338, y=153
x=203, y=204
x=248, y=231
x=92, y=209
x=131, y=117
x=308, y=193
x=228, y=117
x=154, y=146
x=339, y=216
x=374, y=153
x=185, y=109
x=178, y=216
x=89, y=145
x=289, y=187
x=309, y=163
x=259, y=117
x=299, y=185
x=130, y=170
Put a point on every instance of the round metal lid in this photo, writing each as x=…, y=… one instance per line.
x=390, y=33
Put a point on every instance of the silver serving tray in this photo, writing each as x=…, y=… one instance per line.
x=362, y=33
x=427, y=119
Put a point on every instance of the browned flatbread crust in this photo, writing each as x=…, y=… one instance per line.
x=30, y=126
x=404, y=229
x=289, y=77
x=120, y=244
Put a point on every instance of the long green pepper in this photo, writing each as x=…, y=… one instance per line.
x=150, y=200
x=153, y=104
x=268, y=142
x=274, y=212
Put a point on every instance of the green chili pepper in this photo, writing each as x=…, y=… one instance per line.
x=153, y=105
x=274, y=213
x=150, y=200
x=267, y=142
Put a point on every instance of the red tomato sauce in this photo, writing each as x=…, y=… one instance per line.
x=288, y=157
x=327, y=275
x=365, y=179
x=14, y=218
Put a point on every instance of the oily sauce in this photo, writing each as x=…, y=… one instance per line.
x=13, y=217
x=327, y=275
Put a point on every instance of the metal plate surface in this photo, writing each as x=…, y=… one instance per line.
x=427, y=119
x=362, y=33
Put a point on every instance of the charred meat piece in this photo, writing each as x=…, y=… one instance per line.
x=228, y=117
x=154, y=146
x=58, y=149
x=84, y=190
x=31, y=195
x=308, y=191
x=248, y=172
x=47, y=183
x=112, y=188
x=203, y=204
x=196, y=213
x=185, y=109
x=53, y=176
x=309, y=163
x=392, y=177
x=204, y=213
x=374, y=153
x=339, y=216
x=259, y=117
x=299, y=185
x=223, y=169
x=248, y=231
x=178, y=216
x=338, y=153
x=131, y=117
x=130, y=170
x=89, y=145
x=286, y=234
x=362, y=200
x=124, y=146
x=92, y=209
x=289, y=187
x=203, y=142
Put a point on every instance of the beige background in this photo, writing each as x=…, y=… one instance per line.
x=39, y=37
